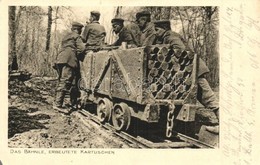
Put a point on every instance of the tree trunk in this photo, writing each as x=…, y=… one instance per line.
x=118, y=11
x=167, y=13
x=210, y=47
x=48, y=37
x=24, y=54
x=12, y=41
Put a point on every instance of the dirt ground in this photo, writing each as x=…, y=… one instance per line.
x=32, y=123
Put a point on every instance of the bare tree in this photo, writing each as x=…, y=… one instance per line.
x=118, y=12
x=12, y=41
x=48, y=36
x=210, y=46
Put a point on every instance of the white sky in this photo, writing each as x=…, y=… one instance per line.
x=82, y=14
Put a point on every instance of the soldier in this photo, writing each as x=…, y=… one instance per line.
x=124, y=34
x=164, y=35
x=94, y=34
x=67, y=66
x=147, y=36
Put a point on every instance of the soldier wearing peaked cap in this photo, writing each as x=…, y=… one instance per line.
x=124, y=34
x=96, y=14
x=142, y=14
x=147, y=36
x=165, y=24
x=77, y=24
x=164, y=35
x=67, y=66
x=117, y=21
x=94, y=34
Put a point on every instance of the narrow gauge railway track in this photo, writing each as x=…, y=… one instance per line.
x=181, y=141
x=130, y=139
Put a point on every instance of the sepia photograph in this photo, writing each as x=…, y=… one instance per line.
x=113, y=77
x=130, y=82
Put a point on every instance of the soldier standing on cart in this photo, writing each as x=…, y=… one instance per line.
x=164, y=35
x=67, y=66
x=94, y=34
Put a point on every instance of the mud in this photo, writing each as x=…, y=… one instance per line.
x=32, y=123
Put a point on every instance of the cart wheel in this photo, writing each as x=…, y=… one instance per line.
x=104, y=108
x=121, y=117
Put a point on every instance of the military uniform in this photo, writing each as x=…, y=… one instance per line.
x=71, y=46
x=135, y=31
x=172, y=38
x=148, y=34
x=124, y=35
x=94, y=34
x=67, y=65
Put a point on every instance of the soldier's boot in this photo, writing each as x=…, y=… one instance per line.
x=214, y=129
x=57, y=105
x=73, y=103
x=74, y=95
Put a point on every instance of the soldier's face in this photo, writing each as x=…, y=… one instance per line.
x=78, y=30
x=159, y=31
x=142, y=22
x=91, y=18
x=117, y=28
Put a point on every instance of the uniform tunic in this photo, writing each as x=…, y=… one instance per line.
x=71, y=46
x=125, y=35
x=135, y=30
x=94, y=34
x=148, y=35
x=172, y=38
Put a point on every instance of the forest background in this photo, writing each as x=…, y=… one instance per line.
x=35, y=32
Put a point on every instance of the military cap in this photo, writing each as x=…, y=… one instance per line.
x=95, y=13
x=142, y=13
x=77, y=24
x=165, y=24
x=117, y=21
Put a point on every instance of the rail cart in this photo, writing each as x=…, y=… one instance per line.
x=142, y=83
